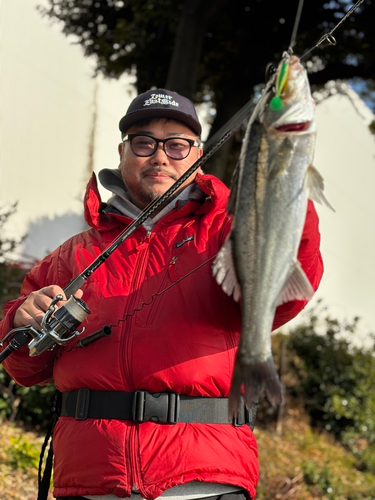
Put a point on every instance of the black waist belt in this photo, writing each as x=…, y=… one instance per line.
x=141, y=406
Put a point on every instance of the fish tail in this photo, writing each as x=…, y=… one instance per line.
x=258, y=379
x=235, y=396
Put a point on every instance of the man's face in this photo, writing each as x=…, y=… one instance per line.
x=147, y=178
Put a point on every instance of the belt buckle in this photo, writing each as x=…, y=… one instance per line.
x=160, y=407
x=82, y=406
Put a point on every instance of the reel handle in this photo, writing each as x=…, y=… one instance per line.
x=58, y=327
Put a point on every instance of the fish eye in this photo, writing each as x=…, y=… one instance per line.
x=270, y=71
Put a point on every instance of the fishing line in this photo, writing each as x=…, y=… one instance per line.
x=282, y=75
x=295, y=27
x=153, y=297
x=328, y=36
x=144, y=304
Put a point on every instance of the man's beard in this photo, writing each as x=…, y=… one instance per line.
x=142, y=196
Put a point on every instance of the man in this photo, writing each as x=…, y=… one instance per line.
x=174, y=330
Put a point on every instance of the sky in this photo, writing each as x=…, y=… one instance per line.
x=48, y=103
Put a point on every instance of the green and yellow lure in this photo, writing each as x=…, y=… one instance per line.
x=277, y=104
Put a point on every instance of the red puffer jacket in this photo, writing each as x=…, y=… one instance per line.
x=184, y=342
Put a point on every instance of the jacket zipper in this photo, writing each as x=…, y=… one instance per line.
x=139, y=271
x=137, y=480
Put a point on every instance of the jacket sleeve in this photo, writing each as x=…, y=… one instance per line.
x=311, y=260
x=26, y=370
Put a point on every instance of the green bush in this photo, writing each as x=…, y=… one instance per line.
x=335, y=380
x=11, y=275
x=322, y=478
x=23, y=455
x=33, y=406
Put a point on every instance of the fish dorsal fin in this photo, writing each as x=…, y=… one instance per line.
x=298, y=287
x=314, y=185
x=224, y=271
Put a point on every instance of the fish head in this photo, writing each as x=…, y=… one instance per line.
x=288, y=106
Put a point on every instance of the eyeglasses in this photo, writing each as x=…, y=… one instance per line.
x=177, y=148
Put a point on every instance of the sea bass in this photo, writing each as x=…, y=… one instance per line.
x=269, y=196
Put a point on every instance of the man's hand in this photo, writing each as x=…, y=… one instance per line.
x=36, y=305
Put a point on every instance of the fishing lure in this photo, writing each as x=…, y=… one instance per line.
x=281, y=78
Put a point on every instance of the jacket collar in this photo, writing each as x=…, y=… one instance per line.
x=217, y=197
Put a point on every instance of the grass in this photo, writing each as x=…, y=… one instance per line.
x=302, y=464
x=19, y=457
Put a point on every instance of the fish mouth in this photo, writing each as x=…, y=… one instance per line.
x=294, y=127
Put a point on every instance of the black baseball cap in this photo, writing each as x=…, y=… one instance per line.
x=164, y=104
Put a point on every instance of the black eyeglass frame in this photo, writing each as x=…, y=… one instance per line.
x=130, y=137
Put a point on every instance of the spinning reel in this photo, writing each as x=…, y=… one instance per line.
x=59, y=327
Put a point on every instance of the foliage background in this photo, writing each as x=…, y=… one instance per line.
x=33, y=406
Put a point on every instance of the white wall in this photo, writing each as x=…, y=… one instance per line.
x=45, y=112
x=46, y=115
x=345, y=156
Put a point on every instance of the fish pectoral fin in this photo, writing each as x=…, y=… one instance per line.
x=298, y=287
x=224, y=271
x=314, y=185
x=281, y=160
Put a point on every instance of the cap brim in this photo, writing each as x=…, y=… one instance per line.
x=131, y=118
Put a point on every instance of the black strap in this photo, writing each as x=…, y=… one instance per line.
x=45, y=480
x=141, y=406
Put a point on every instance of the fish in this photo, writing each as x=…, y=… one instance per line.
x=270, y=188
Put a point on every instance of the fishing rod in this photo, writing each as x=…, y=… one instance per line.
x=328, y=36
x=59, y=326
